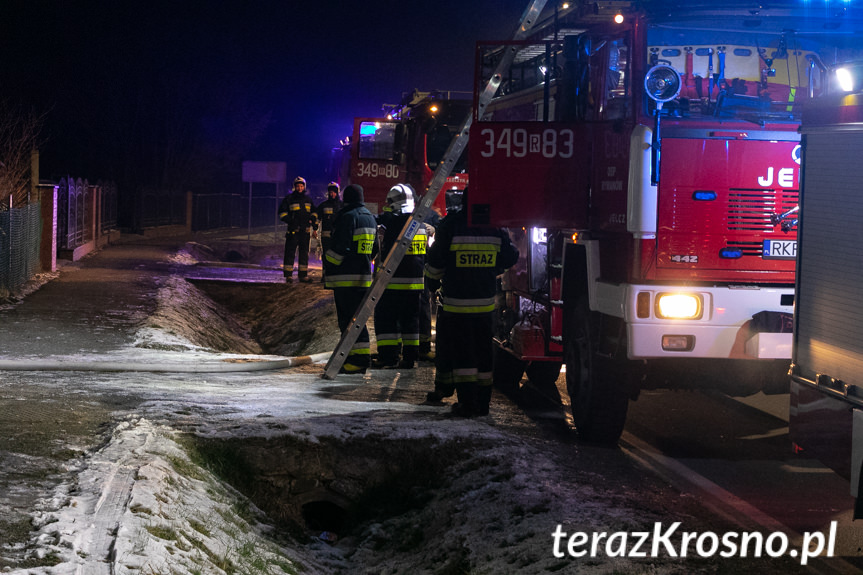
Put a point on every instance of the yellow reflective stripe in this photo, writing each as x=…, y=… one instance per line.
x=455, y=305
x=474, y=248
x=415, y=283
x=335, y=258
x=468, y=309
x=282, y=214
x=482, y=242
x=411, y=342
x=388, y=342
x=334, y=283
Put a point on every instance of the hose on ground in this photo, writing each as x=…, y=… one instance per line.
x=201, y=367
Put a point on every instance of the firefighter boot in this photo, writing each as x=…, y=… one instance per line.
x=388, y=357
x=425, y=351
x=467, y=397
x=483, y=399
x=441, y=390
x=409, y=357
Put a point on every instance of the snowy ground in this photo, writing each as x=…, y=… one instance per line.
x=284, y=472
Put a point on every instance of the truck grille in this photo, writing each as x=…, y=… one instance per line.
x=749, y=210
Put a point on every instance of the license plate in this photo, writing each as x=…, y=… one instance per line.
x=779, y=249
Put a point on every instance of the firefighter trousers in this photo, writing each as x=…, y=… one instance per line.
x=297, y=242
x=348, y=300
x=464, y=358
x=397, y=325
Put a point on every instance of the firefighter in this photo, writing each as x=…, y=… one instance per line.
x=298, y=211
x=397, y=314
x=466, y=261
x=347, y=270
x=326, y=213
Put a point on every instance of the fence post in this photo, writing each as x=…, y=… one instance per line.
x=48, y=245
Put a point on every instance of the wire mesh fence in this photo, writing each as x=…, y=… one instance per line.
x=20, y=236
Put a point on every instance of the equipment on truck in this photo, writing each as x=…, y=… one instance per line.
x=405, y=146
x=650, y=259
x=826, y=411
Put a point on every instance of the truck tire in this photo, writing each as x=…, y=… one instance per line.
x=598, y=398
x=508, y=370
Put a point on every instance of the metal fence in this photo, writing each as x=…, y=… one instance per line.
x=20, y=235
x=211, y=211
x=161, y=207
x=74, y=213
x=76, y=210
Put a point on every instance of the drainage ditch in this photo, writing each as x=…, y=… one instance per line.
x=331, y=488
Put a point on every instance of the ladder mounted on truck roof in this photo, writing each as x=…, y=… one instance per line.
x=417, y=219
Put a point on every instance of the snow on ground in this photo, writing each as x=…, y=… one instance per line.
x=437, y=495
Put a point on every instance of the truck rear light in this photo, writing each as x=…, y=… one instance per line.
x=678, y=342
x=642, y=304
x=678, y=306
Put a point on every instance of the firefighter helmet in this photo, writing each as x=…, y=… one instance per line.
x=333, y=187
x=299, y=180
x=400, y=199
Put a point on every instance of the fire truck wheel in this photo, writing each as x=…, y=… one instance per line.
x=543, y=374
x=508, y=370
x=598, y=399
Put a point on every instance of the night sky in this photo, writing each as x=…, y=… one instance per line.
x=259, y=80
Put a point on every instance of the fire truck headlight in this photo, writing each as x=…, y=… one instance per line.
x=845, y=79
x=678, y=306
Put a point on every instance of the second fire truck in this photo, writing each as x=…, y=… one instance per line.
x=645, y=157
x=404, y=146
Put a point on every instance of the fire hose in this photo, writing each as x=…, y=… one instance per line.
x=200, y=367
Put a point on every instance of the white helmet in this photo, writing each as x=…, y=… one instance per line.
x=400, y=199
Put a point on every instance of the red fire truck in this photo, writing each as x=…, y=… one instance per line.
x=404, y=147
x=826, y=412
x=645, y=158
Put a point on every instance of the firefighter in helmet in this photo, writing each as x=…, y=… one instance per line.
x=397, y=314
x=466, y=261
x=298, y=211
x=326, y=212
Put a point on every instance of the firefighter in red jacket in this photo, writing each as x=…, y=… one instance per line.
x=397, y=314
x=298, y=211
x=466, y=260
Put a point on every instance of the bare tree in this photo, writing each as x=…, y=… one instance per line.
x=19, y=136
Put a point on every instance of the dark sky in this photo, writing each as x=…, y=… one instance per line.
x=316, y=64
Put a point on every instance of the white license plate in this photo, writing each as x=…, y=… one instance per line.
x=779, y=249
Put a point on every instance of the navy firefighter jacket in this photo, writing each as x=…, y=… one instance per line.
x=409, y=273
x=467, y=261
x=347, y=262
x=298, y=211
